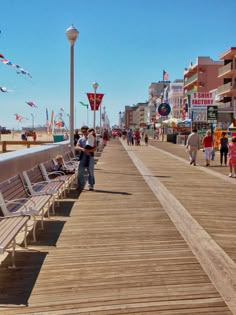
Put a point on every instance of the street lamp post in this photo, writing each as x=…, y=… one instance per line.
x=72, y=34
x=95, y=86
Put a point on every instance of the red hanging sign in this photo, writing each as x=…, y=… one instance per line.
x=97, y=102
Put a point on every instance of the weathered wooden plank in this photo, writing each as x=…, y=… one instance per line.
x=119, y=253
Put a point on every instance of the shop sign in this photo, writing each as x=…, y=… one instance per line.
x=164, y=109
x=199, y=113
x=201, y=99
x=212, y=113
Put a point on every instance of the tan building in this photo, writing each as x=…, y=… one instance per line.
x=227, y=91
x=201, y=77
x=135, y=116
x=175, y=98
x=156, y=91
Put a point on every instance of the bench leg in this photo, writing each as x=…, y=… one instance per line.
x=42, y=226
x=48, y=209
x=34, y=229
x=53, y=205
x=26, y=231
x=13, y=254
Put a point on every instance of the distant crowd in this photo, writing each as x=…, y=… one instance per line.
x=227, y=149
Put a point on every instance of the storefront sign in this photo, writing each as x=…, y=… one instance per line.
x=164, y=109
x=212, y=113
x=201, y=98
x=199, y=114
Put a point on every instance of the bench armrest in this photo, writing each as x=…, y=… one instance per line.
x=20, y=201
x=28, y=209
x=59, y=173
x=70, y=164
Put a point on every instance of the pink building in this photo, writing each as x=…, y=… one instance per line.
x=227, y=90
x=201, y=77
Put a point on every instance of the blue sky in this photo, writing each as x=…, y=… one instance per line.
x=123, y=45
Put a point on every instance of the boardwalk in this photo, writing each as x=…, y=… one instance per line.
x=158, y=236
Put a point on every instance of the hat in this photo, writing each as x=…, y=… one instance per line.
x=84, y=127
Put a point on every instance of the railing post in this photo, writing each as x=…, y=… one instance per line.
x=4, y=146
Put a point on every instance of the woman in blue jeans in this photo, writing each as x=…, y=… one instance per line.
x=83, y=161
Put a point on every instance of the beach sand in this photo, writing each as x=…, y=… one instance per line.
x=17, y=137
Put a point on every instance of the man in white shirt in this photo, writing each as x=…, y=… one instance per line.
x=82, y=165
x=193, y=145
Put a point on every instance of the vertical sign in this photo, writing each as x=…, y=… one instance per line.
x=212, y=112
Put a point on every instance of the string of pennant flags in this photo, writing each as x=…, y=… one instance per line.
x=52, y=122
x=19, y=70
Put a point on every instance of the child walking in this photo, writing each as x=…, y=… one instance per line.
x=232, y=157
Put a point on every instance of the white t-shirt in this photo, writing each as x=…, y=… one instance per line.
x=90, y=140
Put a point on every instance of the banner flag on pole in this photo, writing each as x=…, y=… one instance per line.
x=99, y=98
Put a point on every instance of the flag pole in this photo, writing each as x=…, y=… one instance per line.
x=163, y=85
x=87, y=116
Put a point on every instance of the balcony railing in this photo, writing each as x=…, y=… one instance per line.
x=191, y=79
x=226, y=69
x=226, y=88
x=190, y=92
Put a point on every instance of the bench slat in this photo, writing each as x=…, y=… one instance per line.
x=9, y=228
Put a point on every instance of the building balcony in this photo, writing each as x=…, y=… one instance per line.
x=228, y=71
x=191, y=80
x=190, y=92
x=224, y=106
x=227, y=89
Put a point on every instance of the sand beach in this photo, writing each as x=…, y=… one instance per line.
x=17, y=137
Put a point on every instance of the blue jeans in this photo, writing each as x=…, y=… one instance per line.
x=90, y=168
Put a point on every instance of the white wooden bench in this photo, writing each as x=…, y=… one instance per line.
x=14, y=200
x=37, y=184
x=10, y=227
x=50, y=175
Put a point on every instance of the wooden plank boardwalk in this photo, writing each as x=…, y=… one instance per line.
x=158, y=236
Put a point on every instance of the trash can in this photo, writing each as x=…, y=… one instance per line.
x=172, y=137
x=58, y=138
x=169, y=138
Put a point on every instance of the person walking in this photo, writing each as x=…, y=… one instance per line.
x=130, y=137
x=207, y=143
x=105, y=137
x=232, y=157
x=34, y=136
x=146, y=138
x=83, y=159
x=224, y=141
x=193, y=145
x=76, y=136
